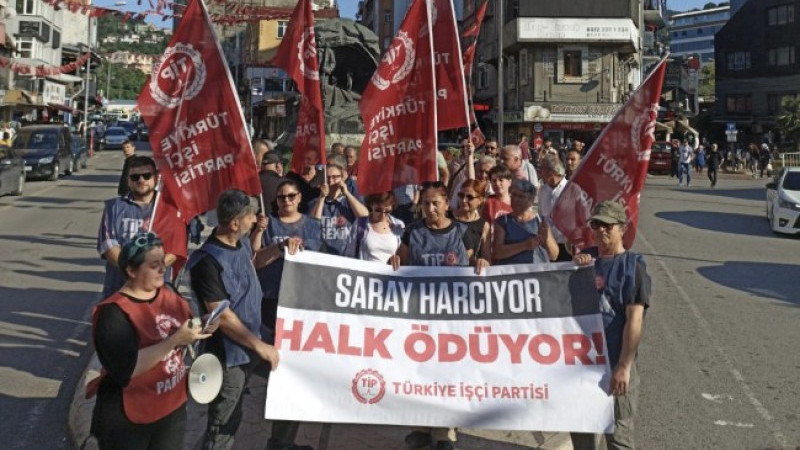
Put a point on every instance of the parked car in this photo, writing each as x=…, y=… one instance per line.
x=130, y=128
x=80, y=153
x=783, y=201
x=46, y=150
x=12, y=172
x=660, y=158
x=143, y=133
x=113, y=138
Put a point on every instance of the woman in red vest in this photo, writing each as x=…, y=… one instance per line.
x=139, y=334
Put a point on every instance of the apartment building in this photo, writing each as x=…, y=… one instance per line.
x=692, y=33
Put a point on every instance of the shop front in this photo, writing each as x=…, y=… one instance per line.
x=564, y=122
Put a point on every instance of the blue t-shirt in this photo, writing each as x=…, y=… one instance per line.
x=517, y=232
x=337, y=224
x=307, y=229
x=445, y=247
x=122, y=220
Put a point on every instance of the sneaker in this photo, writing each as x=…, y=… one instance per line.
x=418, y=439
x=445, y=445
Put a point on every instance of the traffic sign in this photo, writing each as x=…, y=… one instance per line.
x=731, y=126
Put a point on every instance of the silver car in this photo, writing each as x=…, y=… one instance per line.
x=113, y=138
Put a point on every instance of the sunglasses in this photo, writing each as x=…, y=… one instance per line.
x=287, y=197
x=135, y=176
x=142, y=241
x=469, y=198
x=596, y=225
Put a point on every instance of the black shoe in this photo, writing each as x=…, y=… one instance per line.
x=445, y=445
x=418, y=439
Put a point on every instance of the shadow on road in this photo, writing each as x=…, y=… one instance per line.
x=722, y=222
x=51, y=239
x=741, y=194
x=768, y=280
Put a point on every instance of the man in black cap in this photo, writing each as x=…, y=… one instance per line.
x=270, y=179
x=624, y=288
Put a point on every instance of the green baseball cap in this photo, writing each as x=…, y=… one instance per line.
x=609, y=212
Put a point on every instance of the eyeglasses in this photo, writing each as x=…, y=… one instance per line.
x=135, y=176
x=596, y=225
x=386, y=210
x=469, y=198
x=287, y=197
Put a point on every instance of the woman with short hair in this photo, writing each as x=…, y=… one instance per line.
x=521, y=237
x=377, y=236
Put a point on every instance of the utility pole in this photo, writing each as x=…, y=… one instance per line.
x=108, y=79
x=500, y=100
x=86, y=94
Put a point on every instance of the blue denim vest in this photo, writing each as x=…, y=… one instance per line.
x=241, y=283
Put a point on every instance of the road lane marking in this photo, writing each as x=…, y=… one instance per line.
x=718, y=398
x=725, y=423
x=706, y=327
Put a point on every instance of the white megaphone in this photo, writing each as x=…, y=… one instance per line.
x=205, y=378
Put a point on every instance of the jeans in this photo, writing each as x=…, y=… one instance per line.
x=625, y=407
x=683, y=168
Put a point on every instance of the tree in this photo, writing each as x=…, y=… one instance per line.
x=709, y=5
x=788, y=119
x=125, y=84
x=707, y=81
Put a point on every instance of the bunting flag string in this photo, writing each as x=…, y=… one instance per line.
x=42, y=71
x=235, y=13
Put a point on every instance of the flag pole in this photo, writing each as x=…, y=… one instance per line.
x=155, y=205
x=433, y=73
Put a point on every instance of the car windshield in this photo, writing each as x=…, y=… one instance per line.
x=792, y=181
x=113, y=131
x=660, y=147
x=36, y=140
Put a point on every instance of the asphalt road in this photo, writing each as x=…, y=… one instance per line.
x=50, y=276
x=718, y=361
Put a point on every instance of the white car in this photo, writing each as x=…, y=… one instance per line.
x=783, y=201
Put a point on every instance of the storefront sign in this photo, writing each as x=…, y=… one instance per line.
x=570, y=112
x=53, y=93
x=513, y=117
x=530, y=29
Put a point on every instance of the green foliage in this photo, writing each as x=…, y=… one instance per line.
x=709, y=5
x=125, y=83
x=112, y=26
x=707, y=81
x=788, y=119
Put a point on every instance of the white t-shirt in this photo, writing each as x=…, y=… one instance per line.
x=379, y=246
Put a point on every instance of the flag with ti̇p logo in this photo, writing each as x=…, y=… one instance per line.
x=398, y=107
x=451, y=94
x=615, y=166
x=197, y=130
x=297, y=55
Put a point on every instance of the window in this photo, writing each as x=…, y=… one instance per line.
x=56, y=39
x=738, y=61
x=738, y=104
x=387, y=16
x=26, y=7
x=511, y=73
x=523, y=68
x=282, y=28
x=387, y=41
x=781, y=56
x=483, y=76
x=572, y=63
x=549, y=62
x=25, y=47
x=780, y=15
x=699, y=31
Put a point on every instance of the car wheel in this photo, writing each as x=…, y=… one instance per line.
x=70, y=167
x=56, y=172
x=20, y=185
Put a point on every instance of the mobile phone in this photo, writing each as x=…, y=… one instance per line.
x=215, y=314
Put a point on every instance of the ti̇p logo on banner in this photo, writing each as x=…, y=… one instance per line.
x=307, y=50
x=368, y=386
x=179, y=75
x=400, y=60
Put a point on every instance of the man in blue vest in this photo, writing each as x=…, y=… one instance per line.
x=624, y=287
x=223, y=269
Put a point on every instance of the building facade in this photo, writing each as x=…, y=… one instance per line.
x=757, y=68
x=568, y=66
x=132, y=60
x=692, y=33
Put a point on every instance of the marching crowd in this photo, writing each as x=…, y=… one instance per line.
x=756, y=159
x=489, y=208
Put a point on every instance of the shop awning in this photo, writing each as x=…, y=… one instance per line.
x=63, y=108
x=65, y=78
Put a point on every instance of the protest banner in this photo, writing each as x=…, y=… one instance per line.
x=398, y=107
x=517, y=348
x=197, y=130
x=615, y=167
x=297, y=55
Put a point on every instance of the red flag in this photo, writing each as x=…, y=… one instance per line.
x=477, y=137
x=297, y=55
x=171, y=228
x=196, y=126
x=471, y=34
x=399, y=110
x=450, y=87
x=615, y=167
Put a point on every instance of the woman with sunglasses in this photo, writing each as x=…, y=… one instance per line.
x=437, y=240
x=337, y=209
x=470, y=202
x=141, y=394
x=378, y=236
x=521, y=237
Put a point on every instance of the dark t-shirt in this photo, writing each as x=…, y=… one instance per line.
x=469, y=238
x=269, y=189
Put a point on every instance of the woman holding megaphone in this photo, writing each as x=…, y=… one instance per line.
x=139, y=334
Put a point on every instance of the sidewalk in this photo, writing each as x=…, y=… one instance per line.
x=254, y=432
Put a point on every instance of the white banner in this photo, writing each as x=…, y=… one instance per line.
x=516, y=348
